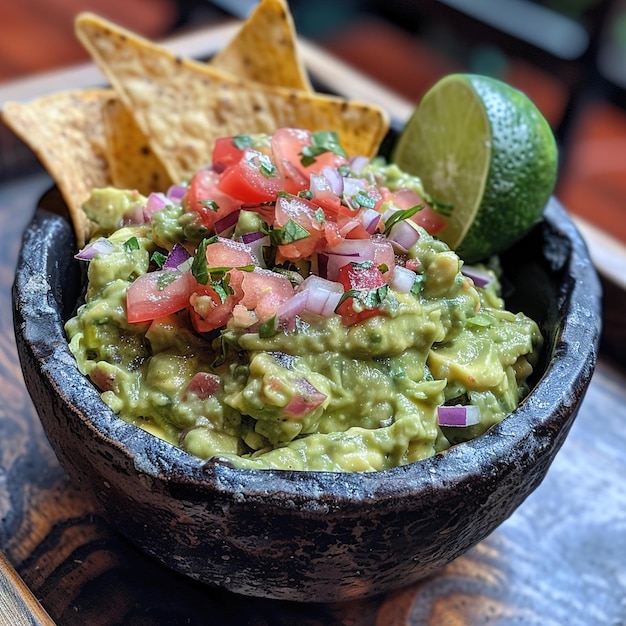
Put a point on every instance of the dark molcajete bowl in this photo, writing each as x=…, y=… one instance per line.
x=310, y=536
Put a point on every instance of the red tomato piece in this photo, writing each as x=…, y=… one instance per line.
x=229, y=253
x=207, y=311
x=225, y=153
x=304, y=213
x=287, y=145
x=354, y=277
x=157, y=294
x=203, y=193
x=253, y=179
x=427, y=217
x=431, y=221
x=203, y=385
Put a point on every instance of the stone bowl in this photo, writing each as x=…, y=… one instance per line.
x=309, y=536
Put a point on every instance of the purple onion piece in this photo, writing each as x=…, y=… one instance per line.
x=177, y=256
x=458, y=415
x=99, y=246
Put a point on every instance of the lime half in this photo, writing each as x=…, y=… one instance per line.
x=482, y=147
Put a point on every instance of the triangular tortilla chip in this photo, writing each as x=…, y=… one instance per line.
x=131, y=159
x=65, y=130
x=183, y=106
x=264, y=49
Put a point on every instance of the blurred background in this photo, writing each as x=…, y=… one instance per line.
x=569, y=56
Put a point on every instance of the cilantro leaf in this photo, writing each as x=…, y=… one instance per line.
x=241, y=142
x=290, y=232
x=158, y=258
x=268, y=328
x=131, y=244
x=398, y=216
x=321, y=142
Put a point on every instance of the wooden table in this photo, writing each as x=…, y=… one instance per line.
x=559, y=560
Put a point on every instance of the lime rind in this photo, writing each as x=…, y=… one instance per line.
x=484, y=148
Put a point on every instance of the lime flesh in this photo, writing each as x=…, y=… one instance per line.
x=483, y=148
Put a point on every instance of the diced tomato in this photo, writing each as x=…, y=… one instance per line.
x=331, y=234
x=253, y=179
x=354, y=276
x=351, y=228
x=384, y=254
x=263, y=291
x=229, y=253
x=431, y=221
x=303, y=213
x=427, y=217
x=157, y=294
x=287, y=145
x=203, y=385
x=225, y=153
x=204, y=197
x=207, y=311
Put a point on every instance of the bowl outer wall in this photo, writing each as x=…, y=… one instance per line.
x=305, y=536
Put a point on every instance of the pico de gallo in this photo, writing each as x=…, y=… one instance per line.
x=291, y=307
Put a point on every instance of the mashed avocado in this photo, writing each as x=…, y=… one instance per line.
x=334, y=390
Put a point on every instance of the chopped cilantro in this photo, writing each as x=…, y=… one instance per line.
x=158, y=258
x=166, y=278
x=398, y=216
x=418, y=284
x=263, y=163
x=210, y=204
x=362, y=199
x=321, y=142
x=290, y=232
x=131, y=244
x=241, y=142
x=366, y=298
x=268, y=328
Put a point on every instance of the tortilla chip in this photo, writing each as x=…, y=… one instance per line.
x=183, y=106
x=264, y=49
x=131, y=159
x=66, y=132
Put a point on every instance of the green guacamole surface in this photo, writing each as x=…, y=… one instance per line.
x=382, y=379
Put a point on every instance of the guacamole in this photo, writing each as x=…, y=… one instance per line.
x=292, y=308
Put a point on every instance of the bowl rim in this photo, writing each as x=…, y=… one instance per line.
x=530, y=428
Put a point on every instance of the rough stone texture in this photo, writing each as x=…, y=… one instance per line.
x=310, y=535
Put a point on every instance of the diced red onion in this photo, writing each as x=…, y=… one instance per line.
x=334, y=179
x=226, y=222
x=370, y=218
x=361, y=248
x=157, y=201
x=250, y=237
x=458, y=415
x=403, y=235
x=135, y=216
x=99, y=246
x=177, y=256
x=288, y=310
x=323, y=295
x=402, y=279
x=176, y=193
x=352, y=186
x=358, y=163
x=318, y=184
x=256, y=248
x=480, y=277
